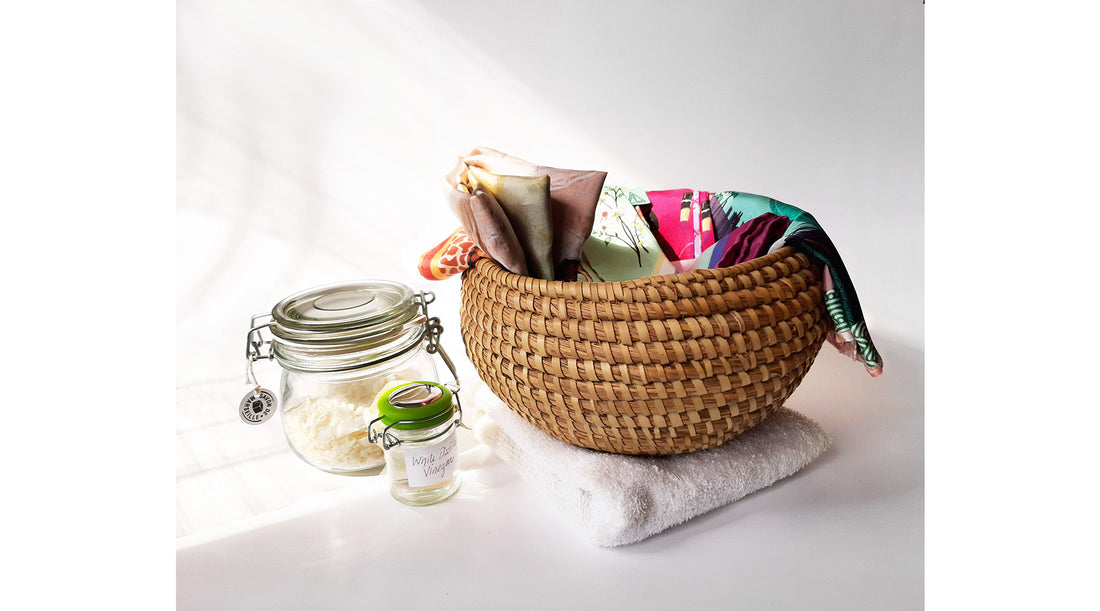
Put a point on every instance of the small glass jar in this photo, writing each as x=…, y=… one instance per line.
x=421, y=446
x=340, y=347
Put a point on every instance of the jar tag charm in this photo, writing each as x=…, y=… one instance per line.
x=257, y=406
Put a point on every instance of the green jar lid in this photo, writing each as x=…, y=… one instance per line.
x=427, y=402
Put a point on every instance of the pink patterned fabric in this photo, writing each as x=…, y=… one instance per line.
x=684, y=229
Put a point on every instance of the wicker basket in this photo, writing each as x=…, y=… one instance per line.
x=660, y=365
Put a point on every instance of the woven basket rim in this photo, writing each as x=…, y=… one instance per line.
x=562, y=288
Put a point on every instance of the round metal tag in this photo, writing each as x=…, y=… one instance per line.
x=257, y=406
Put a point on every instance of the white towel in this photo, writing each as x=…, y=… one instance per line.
x=616, y=499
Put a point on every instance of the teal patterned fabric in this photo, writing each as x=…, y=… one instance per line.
x=730, y=209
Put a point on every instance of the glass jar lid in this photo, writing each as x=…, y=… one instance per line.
x=345, y=326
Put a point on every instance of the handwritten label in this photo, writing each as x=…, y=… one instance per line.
x=430, y=465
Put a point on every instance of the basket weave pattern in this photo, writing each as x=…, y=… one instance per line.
x=660, y=365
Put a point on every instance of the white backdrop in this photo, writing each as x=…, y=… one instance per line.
x=312, y=137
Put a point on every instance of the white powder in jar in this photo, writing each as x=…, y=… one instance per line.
x=329, y=427
x=329, y=433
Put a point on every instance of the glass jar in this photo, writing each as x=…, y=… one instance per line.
x=340, y=346
x=419, y=437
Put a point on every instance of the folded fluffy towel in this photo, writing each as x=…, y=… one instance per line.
x=616, y=499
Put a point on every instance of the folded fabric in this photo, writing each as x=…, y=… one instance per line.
x=626, y=243
x=573, y=196
x=526, y=203
x=684, y=229
x=621, y=245
x=484, y=220
x=849, y=333
x=731, y=208
x=749, y=241
x=450, y=257
x=616, y=499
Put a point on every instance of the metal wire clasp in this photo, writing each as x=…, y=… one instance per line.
x=435, y=329
x=389, y=440
x=254, y=347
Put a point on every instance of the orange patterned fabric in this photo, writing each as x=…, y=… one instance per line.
x=450, y=257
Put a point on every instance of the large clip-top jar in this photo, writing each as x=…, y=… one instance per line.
x=340, y=347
